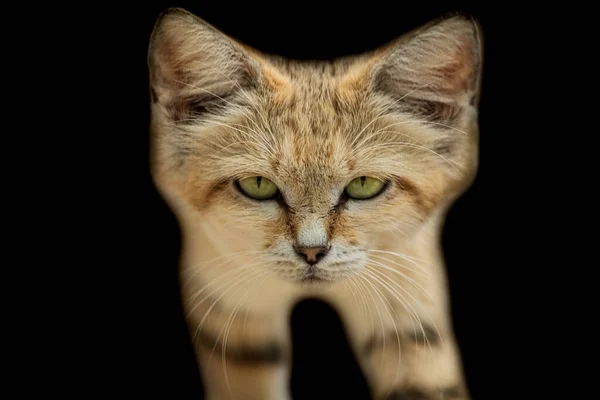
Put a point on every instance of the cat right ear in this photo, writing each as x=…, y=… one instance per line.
x=434, y=71
x=194, y=68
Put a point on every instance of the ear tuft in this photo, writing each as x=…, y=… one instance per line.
x=434, y=70
x=193, y=66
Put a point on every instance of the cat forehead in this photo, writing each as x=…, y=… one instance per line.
x=317, y=96
x=325, y=158
x=316, y=131
x=313, y=116
x=312, y=133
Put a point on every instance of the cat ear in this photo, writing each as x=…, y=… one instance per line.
x=433, y=72
x=194, y=68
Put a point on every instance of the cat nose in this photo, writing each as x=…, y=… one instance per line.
x=312, y=255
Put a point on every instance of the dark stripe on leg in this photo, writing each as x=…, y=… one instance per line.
x=422, y=337
x=416, y=336
x=270, y=353
x=376, y=341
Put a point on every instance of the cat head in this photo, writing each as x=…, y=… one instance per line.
x=311, y=165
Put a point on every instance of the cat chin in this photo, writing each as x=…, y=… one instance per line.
x=316, y=279
x=312, y=279
x=316, y=276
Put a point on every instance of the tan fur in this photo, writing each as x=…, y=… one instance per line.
x=312, y=127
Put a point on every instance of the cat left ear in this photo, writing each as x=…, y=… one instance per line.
x=194, y=68
x=434, y=71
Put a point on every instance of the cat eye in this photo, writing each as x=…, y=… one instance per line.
x=364, y=187
x=257, y=187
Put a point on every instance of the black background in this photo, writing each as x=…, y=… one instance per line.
x=149, y=354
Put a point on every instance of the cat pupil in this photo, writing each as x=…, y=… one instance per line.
x=258, y=181
x=362, y=181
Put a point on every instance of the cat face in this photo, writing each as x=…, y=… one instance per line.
x=307, y=167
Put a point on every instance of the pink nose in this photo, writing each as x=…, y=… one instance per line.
x=312, y=255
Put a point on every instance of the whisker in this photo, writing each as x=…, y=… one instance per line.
x=403, y=256
x=382, y=297
x=383, y=130
x=378, y=313
x=405, y=144
x=195, y=269
x=352, y=291
x=218, y=278
x=244, y=268
x=404, y=277
x=361, y=290
x=229, y=324
x=416, y=302
x=248, y=273
x=413, y=315
x=421, y=121
x=425, y=274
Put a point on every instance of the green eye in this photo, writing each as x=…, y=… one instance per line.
x=258, y=187
x=364, y=187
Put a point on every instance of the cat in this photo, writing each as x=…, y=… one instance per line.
x=328, y=179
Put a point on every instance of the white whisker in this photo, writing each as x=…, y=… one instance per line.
x=405, y=257
x=378, y=313
x=382, y=297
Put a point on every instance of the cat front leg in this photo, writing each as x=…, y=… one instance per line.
x=427, y=367
x=244, y=373
x=241, y=355
x=402, y=336
x=414, y=355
